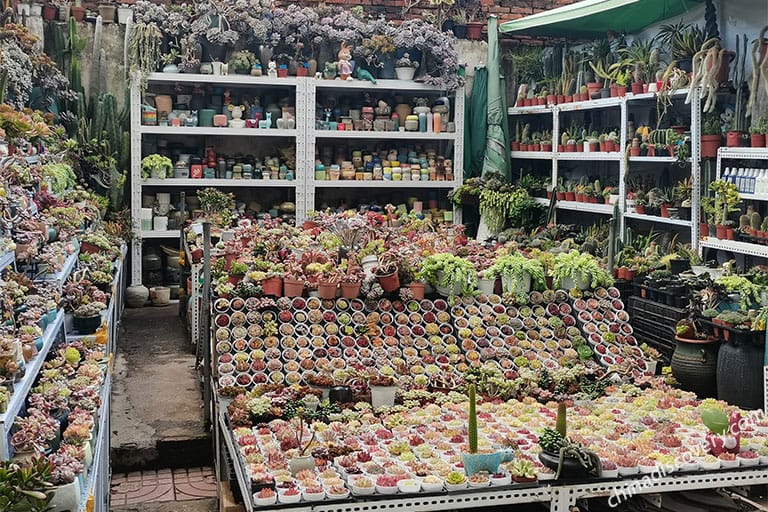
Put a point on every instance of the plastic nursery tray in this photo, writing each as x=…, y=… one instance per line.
x=736, y=336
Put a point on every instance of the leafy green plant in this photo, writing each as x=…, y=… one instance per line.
x=516, y=266
x=25, y=488
x=581, y=266
x=238, y=268
x=161, y=165
x=449, y=271
x=726, y=200
x=749, y=292
x=216, y=205
x=62, y=176
x=715, y=419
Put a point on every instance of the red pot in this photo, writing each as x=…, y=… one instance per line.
x=729, y=234
x=568, y=98
x=546, y=148
x=651, y=150
x=709, y=145
x=594, y=147
x=560, y=98
x=609, y=146
x=536, y=147
x=551, y=99
x=560, y=196
x=570, y=196
x=733, y=139
x=757, y=140
x=664, y=211
x=272, y=286
x=50, y=12
x=235, y=278
x=637, y=87
x=622, y=90
x=640, y=209
x=579, y=148
x=614, y=91
x=309, y=225
x=561, y=148
x=703, y=229
x=629, y=275
x=634, y=151
x=721, y=235
x=390, y=282
x=570, y=148
x=77, y=12
x=475, y=30
x=549, y=194
x=541, y=102
x=593, y=87
x=282, y=72
x=301, y=71
x=515, y=146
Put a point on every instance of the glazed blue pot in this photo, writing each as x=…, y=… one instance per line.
x=489, y=462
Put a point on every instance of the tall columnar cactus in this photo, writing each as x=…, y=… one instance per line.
x=562, y=424
x=472, y=425
x=755, y=221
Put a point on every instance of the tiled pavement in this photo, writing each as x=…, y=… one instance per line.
x=163, y=485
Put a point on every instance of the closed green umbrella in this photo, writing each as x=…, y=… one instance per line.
x=477, y=122
x=495, y=145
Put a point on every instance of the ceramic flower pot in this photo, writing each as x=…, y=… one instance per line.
x=66, y=497
x=488, y=462
x=326, y=290
x=405, y=73
x=88, y=325
x=383, y=396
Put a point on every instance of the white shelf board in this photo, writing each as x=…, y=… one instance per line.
x=384, y=184
x=184, y=131
x=204, y=182
x=66, y=269
x=21, y=388
x=402, y=85
x=542, y=200
x=233, y=79
x=652, y=95
x=171, y=233
x=613, y=156
x=606, y=209
x=745, y=153
x=753, y=197
x=353, y=134
x=660, y=220
x=590, y=104
x=532, y=155
x=538, y=109
x=655, y=159
x=760, y=251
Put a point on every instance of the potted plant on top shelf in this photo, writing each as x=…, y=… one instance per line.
x=405, y=68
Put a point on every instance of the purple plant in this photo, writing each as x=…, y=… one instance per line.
x=65, y=468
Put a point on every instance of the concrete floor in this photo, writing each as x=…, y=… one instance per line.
x=157, y=414
x=206, y=505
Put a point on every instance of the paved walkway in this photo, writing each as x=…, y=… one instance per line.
x=163, y=485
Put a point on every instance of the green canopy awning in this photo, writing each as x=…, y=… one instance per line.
x=589, y=19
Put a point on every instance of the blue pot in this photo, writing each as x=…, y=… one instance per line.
x=489, y=462
x=52, y=316
x=39, y=343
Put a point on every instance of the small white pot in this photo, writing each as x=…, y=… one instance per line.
x=383, y=396
x=405, y=73
x=66, y=497
x=124, y=14
x=160, y=223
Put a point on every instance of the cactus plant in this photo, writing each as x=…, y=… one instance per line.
x=744, y=221
x=764, y=225
x=472, y=424
x=561, y=424
x=755, y=221
x=564, y=138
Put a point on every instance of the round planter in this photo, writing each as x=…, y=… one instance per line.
x=77, y=12
x=486, y=286
x=66, y=497
x=571, y=467
x=88, y=325
x=136, y=296
x=740, y=374
x=297, y=464
x=49, y=12
x=326, y=290
x=757, y=140
x=733, y=139
x=709, y=145
x=694, y=365
x=160, y=295
x=383, y=396
x=272, y=286
x=390, y=282
x=405, y=73
x=510, y=284
x=475, y=30
x=417, y=289
x=569, y=283
x=293, y=287
x=350, y=290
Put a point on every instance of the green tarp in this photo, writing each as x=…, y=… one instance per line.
x=474, y=138
x=593, y=18
x=495, y=147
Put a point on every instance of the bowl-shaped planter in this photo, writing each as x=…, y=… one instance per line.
x=489, y=462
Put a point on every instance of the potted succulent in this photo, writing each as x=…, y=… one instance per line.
x=518, y=273
x=575, y=269
x=405, y=68
x=449, y=274
x=351, y=281
x=64, y=472
x=26, y=488
x=757, y=133
x=474, y=460
x=301, y=461
x=237, y=271
x=328, y=283
x=156, y=166
x=87, y=317
x=711, y=134
x=383, y=387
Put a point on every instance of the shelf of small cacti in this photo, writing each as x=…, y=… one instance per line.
x=738, y=334
x=752, y=236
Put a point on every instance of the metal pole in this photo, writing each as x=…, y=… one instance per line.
x=182, y=243
x=205, y=321
x=612, y=240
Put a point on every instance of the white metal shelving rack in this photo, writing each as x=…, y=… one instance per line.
x=313, y=137
x=616, y=158
x=746, y=248
x=138, y=131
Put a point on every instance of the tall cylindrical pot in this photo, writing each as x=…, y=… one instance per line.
x=740, y=374
x=694, y=366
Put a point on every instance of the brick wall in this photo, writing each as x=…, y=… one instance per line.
x=393, y=9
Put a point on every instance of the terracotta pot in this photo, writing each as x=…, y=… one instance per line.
x=637, y=87
x=389, y=282
x=703, y=229
x=551, y=99
x=651, y=150
x=561, y=148
x=326, y=290
x=570, y=148
x=546, y=148
x=515, y=146
x=234, y=279
x=614, y=91
x=541, y=102
x=282, y=72
x=622, y=90
x=50, y=12
x=729, y=234
x=579, y=148
x=721, y=235
x=475, y=30
x=634, y=151
x=77, y=12
x=757, y=140
x=560, y=98
x=594, y=147
x=733, y=139
x=350, y=290
x=292, y=287
x=536, y=147
x=570, y=196
x=709, y=145
x=301, y=71
x=640, y=209
x=568, y=98
x=107, y=12
x=417, y=289
x=594, y=88
x=272, y=286
x=560, y=196
x=664, y=211
x=549, y=194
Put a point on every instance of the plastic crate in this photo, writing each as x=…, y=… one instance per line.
x=655, y=323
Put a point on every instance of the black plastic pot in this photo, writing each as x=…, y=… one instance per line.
x=340, y=394
x=571, y=467
x=87, y=325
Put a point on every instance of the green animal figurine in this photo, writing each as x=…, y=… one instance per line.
x=331, y=70
x=364, y=74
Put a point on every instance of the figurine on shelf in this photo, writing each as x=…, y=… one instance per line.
x=267, y=121
x=364, y=74
x=272, y=71
x=329, y=72
x=344, y=66
x=383, y=109
x=227, y=97
x=237, y=113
